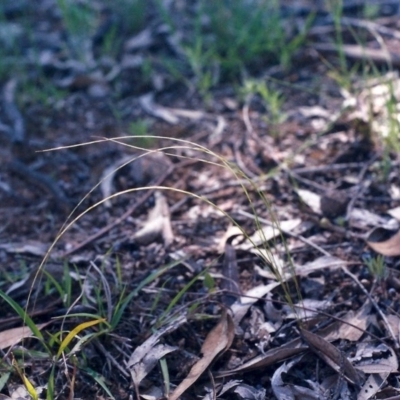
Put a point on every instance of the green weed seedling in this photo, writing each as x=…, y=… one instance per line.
x=209, y=282
x=272, y=99
x=337, y=12
x=65, y=352
x=377, y=267
x=79, y=21
x=371, y=10
x=290, y=47
x=124, y=300
x=55, y=346
x=139, y=130
x=41, y=91
x=201, y=62
x=132, y=13
x=128, y=18
x=251, y=30
x=165, y=375
x=252, y=35
x=175, y=300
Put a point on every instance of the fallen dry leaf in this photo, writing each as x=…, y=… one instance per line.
x=145, y=357
x=217, y=341
x=373, y=358
x=242, y=305
x=158, y=223
x=247, y=392
x=385, y=241
x=11, y=337
x=394, y=322
x=311, y=199
x=363, y=218
x=281, y=390
x=352, y=327
x=291, y=391
x=269, y=232
x=220, y=389
x=108, y=175
x=331, y=355
x=149, y=361
x=268, y=358
x=372, y=386
x=395, y=213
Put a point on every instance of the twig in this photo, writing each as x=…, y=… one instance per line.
x=246, y=117
x=371, y=26
x=361, y=188
x=110, y=358
x=326, y=168
x=40, y=180
x=12, y=112
x=360, y=53
x=308, y=182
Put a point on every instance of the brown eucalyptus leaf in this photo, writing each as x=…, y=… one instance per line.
x=351, y=326
x=269, y=232
x=241, y=306
x=331, y=355
x=268, y=358
x=311, y=199
x=11, y=337
x=385, y=241
x=247, y=392
x=372, y=385
x=217, y=341
x=395, y=213
x=142, y=359
x=373, y=358
x=108, y=175
x=394, y=322
x=282, y=391
x=149, y=361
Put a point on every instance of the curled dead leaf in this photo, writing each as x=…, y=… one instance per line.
x=145, y=357
x=158, y=223
x=217, y=341
x=385, y=241
x=331, y=355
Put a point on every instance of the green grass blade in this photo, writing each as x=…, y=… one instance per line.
x=99, y=379
x=24, y=316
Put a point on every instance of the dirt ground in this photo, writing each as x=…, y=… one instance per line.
x=306, y=309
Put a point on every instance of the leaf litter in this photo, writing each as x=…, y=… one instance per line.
x=295, y=322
